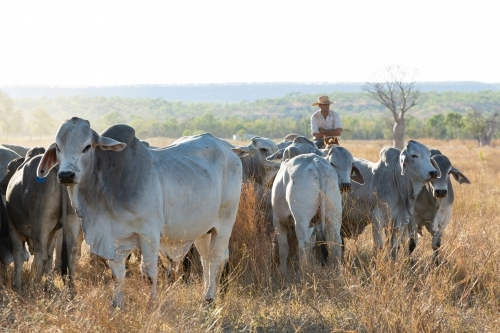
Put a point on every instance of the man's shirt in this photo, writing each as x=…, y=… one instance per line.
x=331, y=122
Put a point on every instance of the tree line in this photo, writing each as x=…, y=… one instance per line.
x=447, y=115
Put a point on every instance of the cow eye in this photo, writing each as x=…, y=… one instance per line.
x=264, y=150
x=86, y=149
x=414, y=156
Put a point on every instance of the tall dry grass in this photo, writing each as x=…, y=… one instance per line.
x=368, y=294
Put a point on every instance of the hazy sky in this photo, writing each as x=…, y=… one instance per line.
x=95, y=43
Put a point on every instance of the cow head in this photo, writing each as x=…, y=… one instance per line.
x=74, y=150
x=300, y=145
x=415, y=159
x=439, y=186
x=11, y=169
x=343, y=163
x=258, y=150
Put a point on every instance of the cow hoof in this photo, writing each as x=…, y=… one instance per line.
x=209, y=301
x=117, y=305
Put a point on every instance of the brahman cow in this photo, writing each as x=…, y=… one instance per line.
x=37, y=207
x=160, y=201
x=6, y=255
x=6, y=155
x=253, y=158
x=20, y=150
x=434, y=205
x=388, y=197
x=342, y=162
x=305, y=185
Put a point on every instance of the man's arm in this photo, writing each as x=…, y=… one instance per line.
x=324, y=132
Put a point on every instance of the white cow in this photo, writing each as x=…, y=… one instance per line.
x=305, y=185
x=160, y=201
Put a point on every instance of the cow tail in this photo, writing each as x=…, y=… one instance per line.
x=322, y=214
x=64, y=248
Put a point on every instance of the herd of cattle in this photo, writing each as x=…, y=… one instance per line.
x=120, y=194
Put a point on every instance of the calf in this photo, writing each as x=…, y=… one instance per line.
x=434, y=205
x=37, y=208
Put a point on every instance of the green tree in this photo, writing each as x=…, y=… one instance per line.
x=42, y=123
x=436, y=126
x=109, y=119
x=6, y=114
x=453, y=121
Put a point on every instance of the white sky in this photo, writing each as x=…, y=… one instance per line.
x=103, y=42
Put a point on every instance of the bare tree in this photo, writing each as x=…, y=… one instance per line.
x=397, y=92
x=482, y=127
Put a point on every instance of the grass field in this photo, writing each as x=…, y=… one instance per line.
x=369, y=294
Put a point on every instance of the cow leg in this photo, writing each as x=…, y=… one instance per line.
x=333, y=227
x=18, y=251
x=149, y=265
x=72, y=235
x=214, y=253
x=41, y=244
x=304, y=234
x=282, y=235
x=436, y=244
x=395, y=242
x=56, y=245
x=202, y=245
x=377, y=218
x=118, y=270
x=3, y=271
x=412, y=234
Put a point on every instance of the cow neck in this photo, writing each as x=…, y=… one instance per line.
x=408, y=190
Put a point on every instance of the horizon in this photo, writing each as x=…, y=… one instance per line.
x=225, y=84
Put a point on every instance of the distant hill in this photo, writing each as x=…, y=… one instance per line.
x=225, y=93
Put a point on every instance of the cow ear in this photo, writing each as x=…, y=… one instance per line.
x=436, y=166
x=241, y=151
x=106, y=143
x=459, y=177
x=402, y=162
x=48, y=161
x=276, y=156
x=356, y=175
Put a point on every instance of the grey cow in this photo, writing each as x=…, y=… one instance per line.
x=388, y=197
x=259, y=172
x=434, y=205
x=20, y=150
x=6, y=155
x=6, y=252
x=160, y=201
x=36, y=209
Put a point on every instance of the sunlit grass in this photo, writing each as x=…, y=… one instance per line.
x=367, y=295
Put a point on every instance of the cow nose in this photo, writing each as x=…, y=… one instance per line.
x=440, y=193
x=345, y=187
x=66, y=177
x=433, y=174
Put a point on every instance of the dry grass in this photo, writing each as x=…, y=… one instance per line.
x=367, y=295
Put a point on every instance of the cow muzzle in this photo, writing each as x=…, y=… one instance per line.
x=440, y=193
x=345, y=187
x=66, y=177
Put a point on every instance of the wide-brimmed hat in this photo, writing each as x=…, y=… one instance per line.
x=323, y=100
